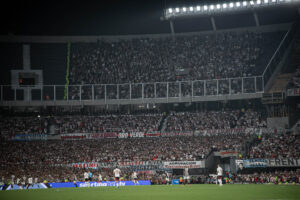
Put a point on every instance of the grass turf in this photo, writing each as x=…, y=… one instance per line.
x=161, y=192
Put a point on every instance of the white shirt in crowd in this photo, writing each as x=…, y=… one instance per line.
x=30, y=180
x=117, y=172
x=100, y=177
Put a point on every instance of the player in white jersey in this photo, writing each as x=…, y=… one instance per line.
x=117, y=173
x=100, y=178
x=18, y=182
x=219, y=175
x=24, y=182
x=12, y=182
x=167, y=178
x=185, y=175
x=36, y=182
x=134, y=178
x=86, y=176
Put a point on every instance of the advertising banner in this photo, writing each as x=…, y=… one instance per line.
x=86, y=165
x=268, y=162
x=255, y=163
x=73, y=136
x=29, y=137
x=101, y=135
x=155, y=134
x=175, y=134
x=184, y=164
x=283, y=162
x=136, y=134
x=34, y=186
x=97, y=184
x=211, y=132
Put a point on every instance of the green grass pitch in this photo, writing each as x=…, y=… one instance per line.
x=161, y=192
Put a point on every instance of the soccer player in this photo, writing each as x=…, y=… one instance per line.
x=100, y=178
x=19, y=183
x=30, y=182
x=220, y=174
x=36, y=182
x=117, y=173
x=135, y=178
x=86, y=176
x=185, y=176
x=24, y=182
x=90, y=176
x=167, y=178
x=12, y=182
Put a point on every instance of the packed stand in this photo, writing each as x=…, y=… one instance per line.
x=107, y=123
x=276, y=146
x=142, y=60
x=193, y=121
x=52, y=160
x=185, y=58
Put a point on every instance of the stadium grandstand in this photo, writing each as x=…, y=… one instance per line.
x=207, y=93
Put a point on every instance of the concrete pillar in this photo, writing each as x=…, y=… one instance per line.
x=26, y=57
x=256, y=19
x=212, y=19
x=172, y=27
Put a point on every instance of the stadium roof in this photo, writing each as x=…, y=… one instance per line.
x=116, y=17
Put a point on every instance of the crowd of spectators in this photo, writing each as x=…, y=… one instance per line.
x=191, y=121
x=185, y=58
x=277, y=177
x=10, y=126
x=126, y=123
x=276, y=146
x=142, y=60
x=108, y=123
x=40, y=158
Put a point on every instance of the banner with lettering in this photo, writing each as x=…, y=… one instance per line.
x=268, y=162
x=176, y=134
x=184, y=164
x=86, y=165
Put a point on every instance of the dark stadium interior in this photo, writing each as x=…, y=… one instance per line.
x=154, y=88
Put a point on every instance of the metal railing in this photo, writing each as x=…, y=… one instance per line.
x=133, y=91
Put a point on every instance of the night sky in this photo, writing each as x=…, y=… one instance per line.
x=79, y=17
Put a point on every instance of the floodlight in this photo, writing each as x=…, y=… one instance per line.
x=170, y=10
x=218, y=6
x=191, y=8
x=273, y=1
x=258, y=2
x=245, y=3
x=224, y=5
x=238, y=4
x=266, y=1
x=212, y=7
x=252, y=2
x=198, y=8
x=177, y=9
x=205, y=7
x=231, y=5
x=184, y=9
